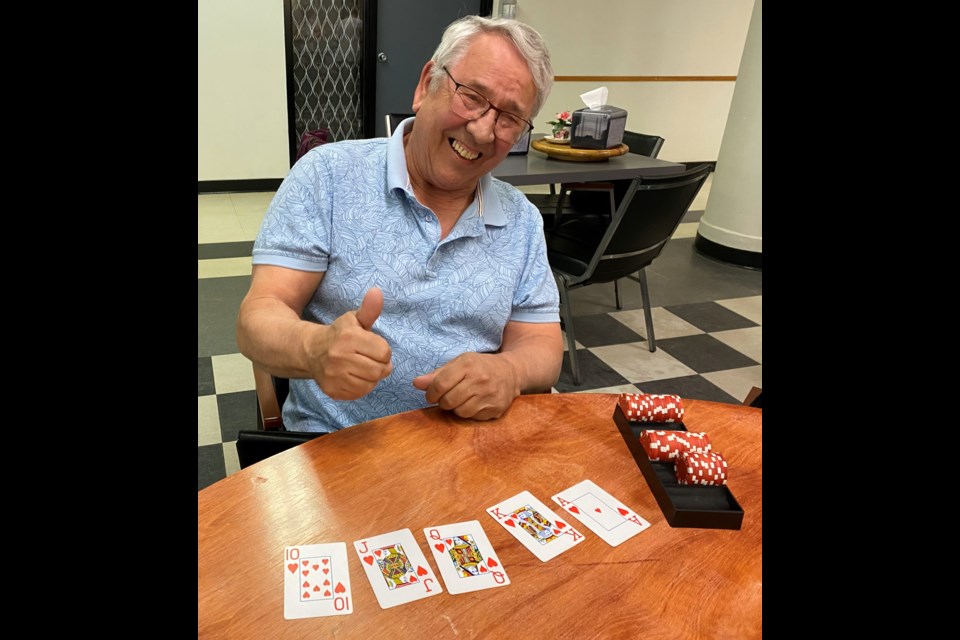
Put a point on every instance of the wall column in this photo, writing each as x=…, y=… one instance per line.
x=731, y=228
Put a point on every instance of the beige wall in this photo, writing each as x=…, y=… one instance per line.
x=647, y=38
x=241, y=90
x=242, y=121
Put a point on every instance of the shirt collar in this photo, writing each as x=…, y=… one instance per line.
x=399, y=178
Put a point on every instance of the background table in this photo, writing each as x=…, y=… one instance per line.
x=428, y=467
x=537, y=168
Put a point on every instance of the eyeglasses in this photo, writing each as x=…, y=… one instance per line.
x=471, y=104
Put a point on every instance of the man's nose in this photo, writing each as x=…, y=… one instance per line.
x=484, y=128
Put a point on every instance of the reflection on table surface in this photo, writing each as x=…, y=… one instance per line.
x=425, y=468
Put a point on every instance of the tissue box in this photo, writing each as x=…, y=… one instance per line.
x=600, y=128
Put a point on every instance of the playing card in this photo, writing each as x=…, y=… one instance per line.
x=465, y=556
x=396, y=568
x=600, y=512
x=535, y=526
x=316, y=581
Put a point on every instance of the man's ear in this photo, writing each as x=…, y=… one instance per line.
x=423, y=87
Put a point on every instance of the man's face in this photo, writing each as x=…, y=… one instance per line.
x=450, y=152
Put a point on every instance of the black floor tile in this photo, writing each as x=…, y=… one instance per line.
x=237, y=412
x=600, y=330
x=703, y=353
x=225, y=250
x=205, y=386
x=710, y=316
x=210, y=466
x=692, y=387
x=218, y=301
x=594, y=374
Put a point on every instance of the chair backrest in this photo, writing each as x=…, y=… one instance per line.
x=643, y=144
x=271, y=393
x=648, y=212
x=394, y=119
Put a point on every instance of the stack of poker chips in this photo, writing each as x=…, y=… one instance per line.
x=695, y=462
x=666, y=446
x=709, y=469
x=645, y=407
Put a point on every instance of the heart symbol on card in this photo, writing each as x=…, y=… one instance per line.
x=449, y=542
x=509, y=522
x=439, y=547
x=326, y=571
x=368, y=560
x=421, y=571
x=325, y=560
x=339, y=588
x=573, y=508
x=306, y=594
x=556, y=531
x=326, y=594
x=413, y=579
x=317, y=588
x=622, y=511
x=377, y=552
x=326, y=583
x=305, y=572
x=560, y=525
x=597, y=509
x=305, y=562
x=292, y=567
x=306, y=584
x=483, y=569
x=492, y=563
x=315, y=567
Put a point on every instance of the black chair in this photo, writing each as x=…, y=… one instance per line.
x=271, y=436
x=585, y=195
x=394, y=119
x=589, y=248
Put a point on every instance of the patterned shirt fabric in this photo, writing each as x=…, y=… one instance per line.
x=348, y=209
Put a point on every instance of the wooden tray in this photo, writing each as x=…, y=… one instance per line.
x=566, y=152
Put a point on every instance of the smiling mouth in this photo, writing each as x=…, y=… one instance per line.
x=462, y=151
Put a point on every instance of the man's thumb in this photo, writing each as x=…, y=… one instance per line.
x=370, y=308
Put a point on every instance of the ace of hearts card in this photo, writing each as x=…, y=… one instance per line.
x=601, y=512
x=535, y=525
x=316, y=581
x=465, y=557
x=396, y=568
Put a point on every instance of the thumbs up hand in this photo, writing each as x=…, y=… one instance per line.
x=349, y=359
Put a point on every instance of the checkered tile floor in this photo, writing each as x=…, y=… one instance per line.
x=707, y=319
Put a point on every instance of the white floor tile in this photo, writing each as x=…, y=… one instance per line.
x=686, y=230
x=232, y=373
x=224, y=267
x=208, y=421
x=737, y=382
x=231, y=461
x=214, y=203
x=747, y=341
x=665, y=324
x=750, y=308
x=636, y=363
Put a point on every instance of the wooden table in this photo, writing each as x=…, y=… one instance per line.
x=429, y=467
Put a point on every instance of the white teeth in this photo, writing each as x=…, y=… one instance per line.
x=463, y=152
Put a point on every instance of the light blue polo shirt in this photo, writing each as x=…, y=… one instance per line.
x=347, y=208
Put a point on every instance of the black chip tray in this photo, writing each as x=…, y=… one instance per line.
x=682, y=505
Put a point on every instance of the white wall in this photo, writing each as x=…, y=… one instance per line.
x=242, y=119
x=647, y=38
x=241, y=90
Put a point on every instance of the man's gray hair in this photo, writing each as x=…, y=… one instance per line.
x=457, y=36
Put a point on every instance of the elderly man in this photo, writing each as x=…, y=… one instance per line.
x=391, y=274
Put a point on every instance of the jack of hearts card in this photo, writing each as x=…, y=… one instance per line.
x=396, y=568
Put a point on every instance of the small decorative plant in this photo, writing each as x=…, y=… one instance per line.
x=561, y=126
